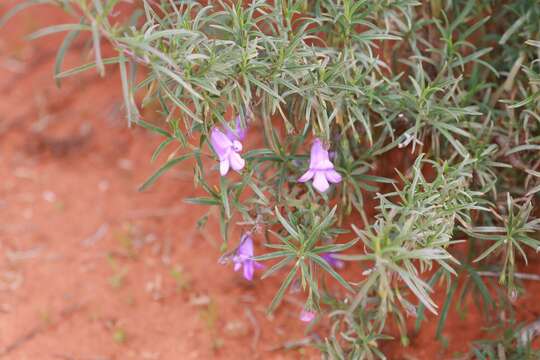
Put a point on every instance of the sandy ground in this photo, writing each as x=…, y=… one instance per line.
x=91, y=269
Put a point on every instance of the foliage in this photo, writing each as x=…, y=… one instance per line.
x=454, y=83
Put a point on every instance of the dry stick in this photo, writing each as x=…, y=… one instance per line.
x=100, y=233
x=67, y=357
x=513, y=159
x=159, y=212
x=293, y=344
x=529, y=332
x=522, y=276
x=36, y=330
x=501, y=352
x=166, y=251
x=21, y=255
x=294, y=301
x=256, y=328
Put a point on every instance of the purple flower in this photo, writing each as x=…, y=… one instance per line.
x=333, y=261
x=243, y=255
x=227, y=147
x=307, y=316
x=321, y=169
x=239, y=133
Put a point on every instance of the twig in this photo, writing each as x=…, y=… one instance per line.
x=68, y=357
x=522, y=276
x=294, y=301
x=256, y=328
x=513, y=159
x=529, y=332
x=26, y=337
x=293, y=344
x=100, y=233
x=21, y=255
x=166, y=251
x=159, y=212
x=36, y=330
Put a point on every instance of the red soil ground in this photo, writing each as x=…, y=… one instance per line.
x=90, y=268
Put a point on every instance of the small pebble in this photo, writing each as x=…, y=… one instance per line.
x=49, y=196
x=103, y=185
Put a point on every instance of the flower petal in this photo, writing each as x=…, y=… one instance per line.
x=238, y=133
x=224, y=167
x=307, y=316
x=220, y=142
x=237, y=163
x=248, y=270
x=237, y=266
x=318, y=154
x=319, y=182
x=323, y=165
x=333, y=176
x=332, y=261
x=308, y=175
x=246, y=246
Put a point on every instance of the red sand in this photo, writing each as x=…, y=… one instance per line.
x=93, y=269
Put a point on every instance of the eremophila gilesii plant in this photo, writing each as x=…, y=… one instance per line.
x=294, y=112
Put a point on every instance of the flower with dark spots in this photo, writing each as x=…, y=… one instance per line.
x=243, y=257
x=227, y=148
x=307, y=315
x=333, y=261
x=321, y=169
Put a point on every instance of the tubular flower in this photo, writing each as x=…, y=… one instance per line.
x=227, y=147
x=243, y=257
x=333, y=261
x=321, y=169
x=307, y=316
x=239, y=133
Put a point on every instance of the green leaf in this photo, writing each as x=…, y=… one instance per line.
x=334, y=248
x=273, y=255
x=160, y=148
x=373, y=178
x=152, y=128
x=445, y=309
x=488, y=251
x=281, y=292
x=58, y=28
x=477, y=280
x=85, y=67
x=286, y=225
x=176, y=77
x=259, y=193
x=202, y=201
x=68, y=40
x=525, y=147
x=20, y=7
x=162, y=170
x=316, y=231
x=224, y=194
x=420, y=313
x=322, y=263
x=277, y=266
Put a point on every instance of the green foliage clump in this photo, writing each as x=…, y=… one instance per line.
x=452, y=84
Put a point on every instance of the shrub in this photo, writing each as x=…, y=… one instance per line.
x=300, y=106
